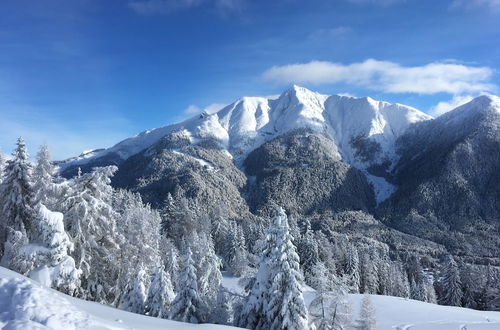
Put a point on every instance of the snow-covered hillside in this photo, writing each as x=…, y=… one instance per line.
x=26, y=305
x=23, y=305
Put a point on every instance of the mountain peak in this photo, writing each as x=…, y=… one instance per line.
x=481, y=105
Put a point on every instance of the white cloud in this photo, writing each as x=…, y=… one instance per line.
x=165, y=7
x=388, y=76
x=491, y=5
x=192, y=109
x=443, y=107
x=211, y=108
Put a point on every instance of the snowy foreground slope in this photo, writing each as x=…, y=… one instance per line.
x=24, y=304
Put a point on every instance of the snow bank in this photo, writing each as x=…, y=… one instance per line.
x=26, y=305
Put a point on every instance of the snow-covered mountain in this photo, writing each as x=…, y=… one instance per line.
x=250, y=121
x=363, y=130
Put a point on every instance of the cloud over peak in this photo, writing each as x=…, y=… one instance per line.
x=389, y=77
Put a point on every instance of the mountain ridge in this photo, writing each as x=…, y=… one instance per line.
x=356, y=125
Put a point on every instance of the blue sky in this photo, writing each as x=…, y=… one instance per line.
x=83, y=74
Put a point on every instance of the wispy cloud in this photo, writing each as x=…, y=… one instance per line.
x=492, y=6
x=211, y=108
x=445, y=106
x=388, y=76
x=165, y=7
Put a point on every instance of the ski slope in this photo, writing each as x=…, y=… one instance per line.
x=25, y=304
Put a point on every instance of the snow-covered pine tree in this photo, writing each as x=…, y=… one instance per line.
x=351, y=268
x=417, y=291
x=170, y=258
x=17, y=216
x=253, y=310
x=469, y=276
x=400, y=287
x=220, y=229
x=160, y=293
x=222, y=313
x=91, y=225
x=187, y=303
x=451, y=284
x=134, y=296
x=235, y=251
x=182, y=223
x=384, y=282
x=430, y=292
x=369, y=273
x=275, y=298
x=307, y=248
x=46, y=256
x=166, y=213
x=330, y=310
x=285, y=308
x=367, y=319
x=43, y=177
x=139, y=225
x=208, y=267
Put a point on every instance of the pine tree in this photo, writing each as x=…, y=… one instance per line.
x=330, y=310
x=469, y=277
x=417, y=291
x=276, y=301
x=187, y=303
x=451, y=284
x=307, y=248
x=369, y=274
x=286, y=307
x=160, y=294
x=134, y=296
x=367, y=319
x=384, y=282
x=430, y=292
x=170, y=256
x=221, y=314
x=17, y=216
x=167, y=213
x=351, y=269
x=208, y=272
x=138, y=226
x=47, y=255
x=43, y=177
x=400, y=287
x=235, y=252
x=221, y=231
x=91, y=225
